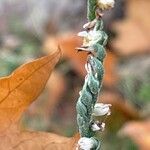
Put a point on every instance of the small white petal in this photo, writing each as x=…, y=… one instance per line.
x=85, y=143
x=80, y=93
x=95, y=127
x=109, y=113
x=83, y=34
x=103, y=126
x=96, y=75
x=88, y=68
x=86, y=78
x=101, y=109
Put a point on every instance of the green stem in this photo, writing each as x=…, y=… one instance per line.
x=92, y=4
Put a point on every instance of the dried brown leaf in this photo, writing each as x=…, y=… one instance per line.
x=22, y=87
x=17, y=92
x=139, y=132
x=134, y=31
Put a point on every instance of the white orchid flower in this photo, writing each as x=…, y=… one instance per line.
x=86, y=143
x=101, y=109
x=95, y=127
x=90, y=38
x=98, y=126
x=105, y=4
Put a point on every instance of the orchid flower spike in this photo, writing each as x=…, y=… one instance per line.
x=101, y=109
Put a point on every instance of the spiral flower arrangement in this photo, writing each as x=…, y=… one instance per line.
x=94, y=42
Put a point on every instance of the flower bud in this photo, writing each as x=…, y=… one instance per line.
x=101, y=109
x=86, y=143
x=95, y=127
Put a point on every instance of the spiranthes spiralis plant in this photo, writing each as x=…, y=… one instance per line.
x=94, y=42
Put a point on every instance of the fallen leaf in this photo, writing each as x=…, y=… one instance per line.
x=22, y=87
x=17, y=92
x=131, y=39
x=110, y=63
x=139, y=132
x=55, y=94
x=133, y=32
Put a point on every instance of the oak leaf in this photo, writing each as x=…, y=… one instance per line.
x=133, y=32
x=17, y=92
x=139, y=132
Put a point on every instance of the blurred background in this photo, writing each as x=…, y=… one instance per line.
x=30, y=29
